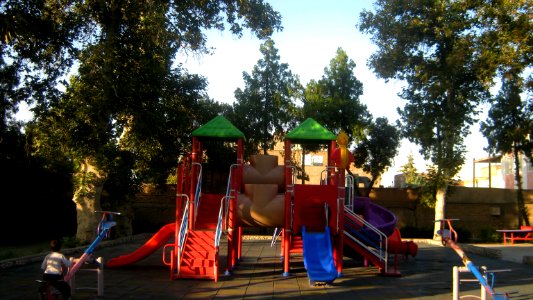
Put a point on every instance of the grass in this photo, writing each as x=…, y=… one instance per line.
x=25, y=249
x=14, y=251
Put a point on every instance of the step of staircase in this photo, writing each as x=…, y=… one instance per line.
x=199, y=257
x=297, y=244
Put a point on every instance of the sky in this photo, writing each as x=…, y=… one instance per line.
x=313, y=31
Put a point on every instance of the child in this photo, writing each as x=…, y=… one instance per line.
x=55, y=265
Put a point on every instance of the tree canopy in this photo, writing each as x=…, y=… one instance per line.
x=125, y=105
x=508, y=130
x=434, y=47
x=334, y=101
x=508, y=42
x=375, y=152
x=266, y=108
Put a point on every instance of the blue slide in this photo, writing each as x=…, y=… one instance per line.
x=318, y=257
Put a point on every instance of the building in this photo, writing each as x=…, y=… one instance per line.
x=315, y=163
x=486, y=172
x=508, y=172
x=499, y=172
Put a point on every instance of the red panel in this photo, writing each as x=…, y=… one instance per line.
x=309, y=207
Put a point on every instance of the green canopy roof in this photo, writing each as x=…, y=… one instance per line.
x=218, y=127
x=310, y=131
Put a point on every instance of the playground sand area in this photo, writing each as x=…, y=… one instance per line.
x=259, y=275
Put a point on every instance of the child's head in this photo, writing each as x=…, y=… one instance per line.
x=55, y=245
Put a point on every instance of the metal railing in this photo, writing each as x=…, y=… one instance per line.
x=218, y=231
x=229, y=192
x=349, y=192
x=224, y=207
x=324, y=179
x=197, y=192
x=184, y=227
x=380, y=251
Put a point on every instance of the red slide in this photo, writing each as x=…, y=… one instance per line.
x=155, y=242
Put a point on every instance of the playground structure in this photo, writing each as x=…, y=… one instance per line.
x=98, y=269
x=317, y=221
x=449, y=237
x=103, y=229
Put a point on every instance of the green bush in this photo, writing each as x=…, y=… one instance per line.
x=7, y=254
x=489, y=235
x=70, y=242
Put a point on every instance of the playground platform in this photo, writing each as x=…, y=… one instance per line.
x=259, y=276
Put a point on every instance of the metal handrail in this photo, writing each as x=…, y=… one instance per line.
x=339, y=211
x=290, y=187
x=326, y=170
x=349, y=183
x=326, y=211
x=197, y=192
x=224, y=207
x=218, y=231
x=275, y=236
x=184, y=227
x=228, y=193
x=382, y=252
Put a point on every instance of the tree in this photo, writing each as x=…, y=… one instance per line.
x=409, y=170
x=508, y=130
x=126, y=102
x=35, y=53
x=431, y=46
x=509, y=127
x=266, y=108
x=375, y=152
x=333, y=101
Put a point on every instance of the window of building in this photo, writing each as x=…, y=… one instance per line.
x=314, y=160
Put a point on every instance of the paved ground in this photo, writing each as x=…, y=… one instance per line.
x=259, y=276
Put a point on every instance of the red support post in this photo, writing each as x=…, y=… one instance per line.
x=338, y=254
x=287, y=230
x=195, y=154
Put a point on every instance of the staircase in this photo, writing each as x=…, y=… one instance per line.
x=199, y=259
x=296, y=245
x=374, y=251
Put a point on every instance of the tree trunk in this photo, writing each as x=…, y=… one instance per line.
x=368, y=189
x=440, y=210
x=523, y=215
x=89, y=182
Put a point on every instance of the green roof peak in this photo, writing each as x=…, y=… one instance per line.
x=218, y=127
x=310, y=131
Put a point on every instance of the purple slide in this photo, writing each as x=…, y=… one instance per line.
x=382, y=218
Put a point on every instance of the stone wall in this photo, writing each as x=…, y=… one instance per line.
x=153, y=208
x=479, y=210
